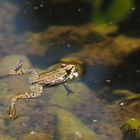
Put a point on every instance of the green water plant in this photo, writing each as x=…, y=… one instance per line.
x=131, y=129
x=106, y=14
x=127, y=96
x=110, y=11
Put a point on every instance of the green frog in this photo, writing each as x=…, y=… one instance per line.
x=60, y=74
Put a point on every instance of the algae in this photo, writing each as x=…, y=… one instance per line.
x=122, y=93
x=115, y=11
x=126, y=96
x=106, y=15
x=131, y=129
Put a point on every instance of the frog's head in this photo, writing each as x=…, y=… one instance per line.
x=71, y=70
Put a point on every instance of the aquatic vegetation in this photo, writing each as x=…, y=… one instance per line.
x=114, y=11
x=106, y=15
x=104, y=29
x=111, y=51
x=122, y=93
x=91, y=48
x=131, y=129
x=135, y=106
x=132, y=98
x=126, y=96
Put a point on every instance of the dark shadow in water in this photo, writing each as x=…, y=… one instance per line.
x=53, y=54
x=38, y=15
x=130, y=26
x=95, y=76
x=127, y=74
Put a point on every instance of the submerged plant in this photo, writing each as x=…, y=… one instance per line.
x=106, y=11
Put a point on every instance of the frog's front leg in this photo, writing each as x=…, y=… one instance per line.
x=68, y=89
x=35, y=92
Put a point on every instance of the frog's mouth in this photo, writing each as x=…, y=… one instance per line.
x=75, y=74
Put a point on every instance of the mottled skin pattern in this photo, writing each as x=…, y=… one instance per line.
x=58, y=75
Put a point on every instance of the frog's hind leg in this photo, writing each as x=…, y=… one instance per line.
x=35, y=92
x=17, y=69
x=68, y=89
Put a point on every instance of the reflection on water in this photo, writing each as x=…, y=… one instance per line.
x=106, y=97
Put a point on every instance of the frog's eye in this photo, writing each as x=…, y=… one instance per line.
x=63, y=65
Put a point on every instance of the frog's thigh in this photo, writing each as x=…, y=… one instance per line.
x=36, y=90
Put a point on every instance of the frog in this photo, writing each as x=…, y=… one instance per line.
x=59, y=74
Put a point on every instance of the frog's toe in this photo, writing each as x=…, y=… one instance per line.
x=70, y=93
x=68, y=89
x=12, y=112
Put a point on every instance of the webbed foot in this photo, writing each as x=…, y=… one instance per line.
x=68, y=89
x=12, y=112
x=16, y=68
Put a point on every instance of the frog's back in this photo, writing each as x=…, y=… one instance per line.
x=51, y=78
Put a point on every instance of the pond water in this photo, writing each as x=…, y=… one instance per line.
x=106, y=52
